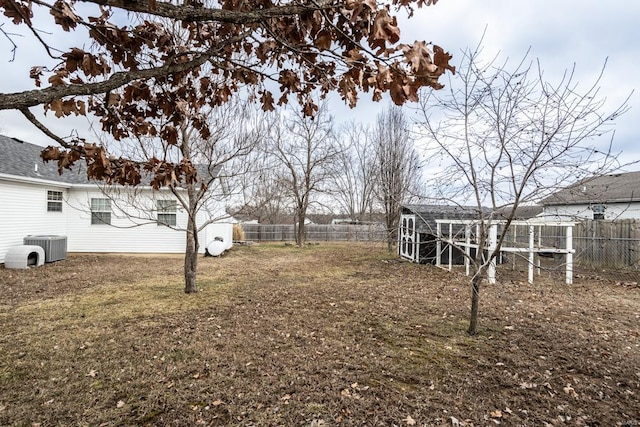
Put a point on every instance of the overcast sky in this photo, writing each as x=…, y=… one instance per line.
x=560, y=33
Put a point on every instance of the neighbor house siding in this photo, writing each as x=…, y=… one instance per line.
x=583, y=211
x=23, y=212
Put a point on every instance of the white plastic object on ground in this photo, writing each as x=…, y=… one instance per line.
x=216, y=247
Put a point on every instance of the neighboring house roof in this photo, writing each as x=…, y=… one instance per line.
x=284, y=219
x=615, y=188
x=22, y=159
x=245, y=215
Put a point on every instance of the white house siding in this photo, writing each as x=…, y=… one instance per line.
x=124, y=234
x=213, y=208
x=218, y=229
x=583, y=211
x=23, y=212
x=127, y=234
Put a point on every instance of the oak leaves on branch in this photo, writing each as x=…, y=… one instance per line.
x=143, y=79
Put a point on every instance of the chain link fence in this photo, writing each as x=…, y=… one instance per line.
x=608, y=244
x=602, y=248
x=316, y=232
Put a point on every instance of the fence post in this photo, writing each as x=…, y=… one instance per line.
x=467, y=248
x=450, y=247
x=531, y=254
x=438, y=244
x=493, y=239
x=569, y=273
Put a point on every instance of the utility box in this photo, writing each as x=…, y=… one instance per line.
x=55, y=247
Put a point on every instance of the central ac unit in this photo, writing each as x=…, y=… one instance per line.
x=55, y=247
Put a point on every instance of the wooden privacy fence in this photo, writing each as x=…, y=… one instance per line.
x=315, y=232
x=608, y=244
x=597, y=243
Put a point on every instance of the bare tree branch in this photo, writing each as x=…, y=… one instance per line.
x=509, y=137
x=35, y=97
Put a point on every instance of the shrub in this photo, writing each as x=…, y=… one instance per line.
x=238, y=233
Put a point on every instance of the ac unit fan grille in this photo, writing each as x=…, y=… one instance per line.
x=55, y=247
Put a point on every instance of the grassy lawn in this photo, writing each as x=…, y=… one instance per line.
x=333, y=334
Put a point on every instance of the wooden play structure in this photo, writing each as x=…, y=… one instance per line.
x=523, y=237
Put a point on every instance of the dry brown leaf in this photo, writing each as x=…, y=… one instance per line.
x=409, y=421
x=526, y=385
x=496, y=414
x=323, y=40
x=570, y=390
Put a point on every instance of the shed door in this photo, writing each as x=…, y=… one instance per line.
x=407, y=237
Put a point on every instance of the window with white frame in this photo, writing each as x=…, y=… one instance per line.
x=598, y=211
x=100, y=211
x=54, y=201
x=167, y=212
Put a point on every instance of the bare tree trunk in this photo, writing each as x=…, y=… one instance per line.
x=300, y=240
x=393, y=220
x=398, y=167
x=191, y=258
x=475, y=303
x=390, y=240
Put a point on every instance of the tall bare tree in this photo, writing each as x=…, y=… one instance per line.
x=305, y=148
x=265, y=195
x=397, y=167
x=354, y=176
x=504, y=136
x=220, y=162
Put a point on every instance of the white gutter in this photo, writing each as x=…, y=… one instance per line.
x=24, y=179
x=29, y=180
x=127, y=187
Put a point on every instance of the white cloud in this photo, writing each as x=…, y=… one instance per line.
x=559, y=34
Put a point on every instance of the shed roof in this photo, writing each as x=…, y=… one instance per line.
x=522, y=212
x=614, y=188
x=426, y=215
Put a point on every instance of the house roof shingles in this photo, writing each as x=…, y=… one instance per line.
x=22, y=159
x=522, y=212
x=427, y=214
x=615, y=188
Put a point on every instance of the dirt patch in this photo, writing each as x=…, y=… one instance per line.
x=325, y=335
